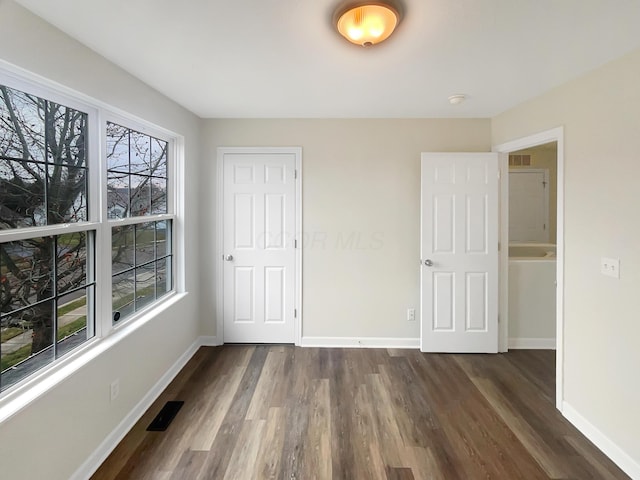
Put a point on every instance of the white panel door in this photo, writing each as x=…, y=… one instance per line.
x=258, y=247
x=529, y=206
x=459, y=253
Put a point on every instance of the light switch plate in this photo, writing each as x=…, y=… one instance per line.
x=114, y=389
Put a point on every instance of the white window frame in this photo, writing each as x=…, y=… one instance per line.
x=16, y=397
x=172, y=154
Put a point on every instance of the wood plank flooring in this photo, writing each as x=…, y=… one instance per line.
x=281, y=412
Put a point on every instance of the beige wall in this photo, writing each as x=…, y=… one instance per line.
x=545, y=157
x=53, y=436
x=361, y=213
x=601, y=117
x=532, y=302
x=361, y=216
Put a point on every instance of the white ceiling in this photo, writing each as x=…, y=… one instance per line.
x=282, y=58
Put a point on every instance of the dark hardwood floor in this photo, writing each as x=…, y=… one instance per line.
x=283, y=412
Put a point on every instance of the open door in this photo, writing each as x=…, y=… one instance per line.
x=459, y=253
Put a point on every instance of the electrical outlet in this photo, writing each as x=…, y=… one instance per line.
x=610, y=267
x=114, y=389
x=411, y=314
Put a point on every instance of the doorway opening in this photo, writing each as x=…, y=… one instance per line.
x=532, y=269
x=532, y=247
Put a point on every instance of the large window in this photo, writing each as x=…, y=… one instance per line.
x=55, y=293
x=137, y=190
x=46, y=279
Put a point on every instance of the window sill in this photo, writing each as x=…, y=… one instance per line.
x=48, y=378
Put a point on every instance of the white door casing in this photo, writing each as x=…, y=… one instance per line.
x=529, y=205
x=259, y=255
x=459, y=253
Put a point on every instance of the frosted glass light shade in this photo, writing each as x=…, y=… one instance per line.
x=367, y=25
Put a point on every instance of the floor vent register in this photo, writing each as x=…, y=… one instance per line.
x=165, y=416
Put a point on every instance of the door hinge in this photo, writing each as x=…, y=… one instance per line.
x=295, y=174
x=499, y=175
x=295, y=313
x=544, y=226
x=295, y=244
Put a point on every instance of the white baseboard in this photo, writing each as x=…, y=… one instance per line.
x=621, y=458
x=209, y=341
x=360, y=342
x=93, y=462
x=532, y=343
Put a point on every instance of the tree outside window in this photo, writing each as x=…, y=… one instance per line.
x=48, y=233
x=137, y=189
x=44, y=279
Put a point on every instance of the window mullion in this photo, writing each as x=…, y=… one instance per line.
x=46, y=163
x=130, y=205
x=155, y=261
x=91, y=286
x=54, y=307
x=135, y=268
x=103, y=241
x=96, y=243
x=103, y=280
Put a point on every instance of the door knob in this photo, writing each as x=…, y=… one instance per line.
x=228, y=258
x=428, y=263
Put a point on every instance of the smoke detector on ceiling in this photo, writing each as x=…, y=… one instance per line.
x=457, y=99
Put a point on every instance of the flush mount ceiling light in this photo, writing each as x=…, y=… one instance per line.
x=366, y=23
